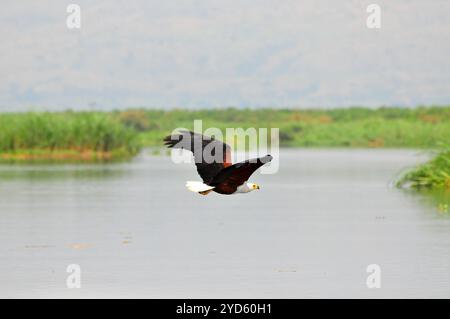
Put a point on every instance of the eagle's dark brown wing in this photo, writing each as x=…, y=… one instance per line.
x=237, y=174
x=204, y=149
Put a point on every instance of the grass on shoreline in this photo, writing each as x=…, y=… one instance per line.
x=65, y=136
x=433, y=174
x=423, y=127
x=102, y=136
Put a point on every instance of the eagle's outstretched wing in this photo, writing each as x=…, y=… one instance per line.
x=237, y=174
x=204, y=149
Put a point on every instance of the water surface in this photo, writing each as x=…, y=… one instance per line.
x=136, y=231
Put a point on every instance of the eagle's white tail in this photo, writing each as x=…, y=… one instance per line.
x=198, y=187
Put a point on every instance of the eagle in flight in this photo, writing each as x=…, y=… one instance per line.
x=219, y=175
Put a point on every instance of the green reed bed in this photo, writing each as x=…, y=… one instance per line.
x=423, y=127
x=68, y=136
x=81, y=136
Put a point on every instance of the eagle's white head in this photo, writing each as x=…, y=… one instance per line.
x=247, y=187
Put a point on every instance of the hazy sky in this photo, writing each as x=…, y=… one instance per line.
x=196, y=53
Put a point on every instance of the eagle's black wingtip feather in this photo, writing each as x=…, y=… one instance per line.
x=171, y=140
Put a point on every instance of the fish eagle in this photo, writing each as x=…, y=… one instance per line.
x=218, y=175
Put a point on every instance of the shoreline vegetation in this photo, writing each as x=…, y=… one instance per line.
x=421, y=128
x=65, y=137
x=434, y=174
x=91, y=136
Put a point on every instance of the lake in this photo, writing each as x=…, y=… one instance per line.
x=135, y=231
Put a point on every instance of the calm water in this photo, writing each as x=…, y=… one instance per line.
x=136, y=231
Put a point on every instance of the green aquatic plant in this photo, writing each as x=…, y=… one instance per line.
x=443, y=208
x=433, y=174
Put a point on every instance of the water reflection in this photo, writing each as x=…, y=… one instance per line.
x=437, y=199
x=61, y=172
